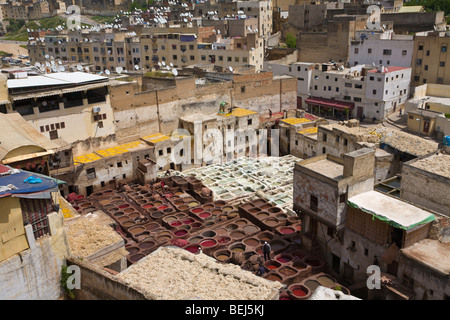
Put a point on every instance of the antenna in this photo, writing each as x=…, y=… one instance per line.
x=175, y=72
x=136, y=67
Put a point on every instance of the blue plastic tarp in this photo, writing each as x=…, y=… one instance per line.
x=18, y=180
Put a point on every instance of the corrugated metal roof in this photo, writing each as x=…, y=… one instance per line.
x=54, y=79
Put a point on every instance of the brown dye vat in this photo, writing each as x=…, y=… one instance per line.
x=262, y=215
x=178, y=203
x=251, y=242
x=254, y=210
x=219, y=203
x=325, y=280
x=128, y=210
x=104, y=202
x=216, y=211
x=312, y=284
x=163, y=238
x=281, y=216
x=135, y=231
x=109, y=206
x=227, y=208
x=237, y=247
x=259, y=202
x=183, y=208
x=133, y=215
x=287, y=271
x=237, y=234
x=169, y=211
x=231, y=227
x=273, y=276
x=271, y=222
x=241, y=222
x=274, y=210
x=188, y=199
x=132, y=249
x=221, y=231
x=250, y=229
x=151, y=226
x=85, y=204
x=122, y=219
x=135, y=257
x=265, y=236
x=208, y=206
x=222, y=255
x=118, y=214
x=265, y=206
x=89, y=209
x=156, y=214
x=147, y=244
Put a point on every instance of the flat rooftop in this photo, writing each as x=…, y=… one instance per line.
x=293, y=121
x=431, y=253
x=326, y=167
x=394, y=211
x=437, y=163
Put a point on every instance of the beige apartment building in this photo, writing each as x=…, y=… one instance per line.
x=431, y=61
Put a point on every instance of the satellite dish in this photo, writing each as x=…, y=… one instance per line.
x=136, y=67
x=175, y=72
x=79, y=67
x=163, y=63
x=47, y=64
x=86, y=69
x=171, y=64
x=159, y=64
x=107, y=72
x=230, y=68
x=119, y=70
x=47, y=56
x=37, y=64
x=54, y=69
x=59, y=62
x=62, y=69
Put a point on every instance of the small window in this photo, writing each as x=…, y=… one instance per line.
x=342, y=198
x=160, y=152
x=404, y=52
x=169, y=150
x=313, y=203
x=119, y=164
x=243, y=89
x=249, y=122
x=324, y=138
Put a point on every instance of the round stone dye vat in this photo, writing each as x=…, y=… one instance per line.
x=181, y=233
x=204, y=215
x=287, y=230
x=135, y=257
x=237, y=234
x=223, y=240
x=251, y=242
x=311, y=284
x=250, y=229
x=222, y=255
x=272, y=264
x=237, y=247
x=208, y=243
x=209, y=234
x=193, y=248
x=326, y=280
x=272, y=276
x=299, y=291
x=287, y=271
x=284, y=258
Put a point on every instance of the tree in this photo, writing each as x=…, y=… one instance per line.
x=291, y=41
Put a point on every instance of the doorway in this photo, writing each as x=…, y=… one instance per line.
x=89, y=190
x=335, y=263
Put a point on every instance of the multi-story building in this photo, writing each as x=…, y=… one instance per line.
x=431, y=60
x=331, y=90
x=379, y=47
x=261, y=10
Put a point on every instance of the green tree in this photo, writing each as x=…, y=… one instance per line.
x=291, y=41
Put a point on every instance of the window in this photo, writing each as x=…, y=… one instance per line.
x=249, y=122
x=371, y=78
x=329, y=232
x=313, y=203
x=425, y=67
x=387, y=52
x=324, y=138
x=428, y=52
x=345, y=142
x=356, y=50
x=174, y=57
x=53, y=135
x=90, y=173
x=203, y=58
x=418, y=62
x=369, y=50
x=443, y=49
x=169, y=150
x=404, y=52
x=420, y=47
x=357, y=99
x=374, y=91
x=416, y=78
x=441, y=64
x=243, y=89
x=324, y=150
x=119, y=164
x=160, y=152
x=342, y=198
